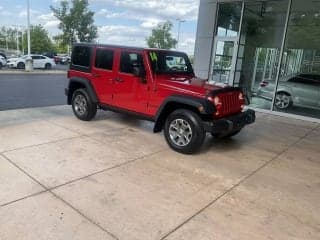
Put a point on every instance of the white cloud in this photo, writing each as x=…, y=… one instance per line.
x=109, y=14
x=48, y=20
x=150, y=13
x=33, y=13
x=122, y=35
x=164, y=9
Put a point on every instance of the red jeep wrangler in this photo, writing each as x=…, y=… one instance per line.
x=157, y=85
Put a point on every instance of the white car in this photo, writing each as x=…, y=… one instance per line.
x=3, y=62
x=39, y=61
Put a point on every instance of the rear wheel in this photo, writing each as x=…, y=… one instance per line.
x=184, y=131
x=48, y=66
x=83, y=106
x=21, y=65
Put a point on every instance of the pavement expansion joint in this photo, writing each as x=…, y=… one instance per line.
x=245, y=178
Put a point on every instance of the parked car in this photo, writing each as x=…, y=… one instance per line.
x=139, y=81
x=49, y=54
x=39, y=61
x=3, y=62
x=62, y=59
x=3, y=55
x=301, y=90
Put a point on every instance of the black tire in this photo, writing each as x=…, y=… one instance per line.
x=226, y=136
x=48, y=66
x=85, y=111
x=192, y=121
x=21, y=65
x=1, y=65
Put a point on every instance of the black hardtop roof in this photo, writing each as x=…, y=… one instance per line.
x=121, y=46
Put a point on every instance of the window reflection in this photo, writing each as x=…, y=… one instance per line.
x=229, y=16
x=298, y=89
x=260, y=45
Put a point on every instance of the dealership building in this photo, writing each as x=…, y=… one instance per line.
x=271, y=49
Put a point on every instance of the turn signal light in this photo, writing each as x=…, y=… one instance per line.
x=241, y=97
x=217, y=103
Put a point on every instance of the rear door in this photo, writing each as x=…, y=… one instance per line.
x=103, y=73
x=131, y=92
x=36, y=61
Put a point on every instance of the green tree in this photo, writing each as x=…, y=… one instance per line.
x=161, y=37
x=59, y=45
x=8, y=36
x=76, y=22
x=40, y=40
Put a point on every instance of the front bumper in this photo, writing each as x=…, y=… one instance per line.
x=231, y=124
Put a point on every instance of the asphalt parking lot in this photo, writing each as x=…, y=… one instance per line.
x=112, y=178
x=38, y=89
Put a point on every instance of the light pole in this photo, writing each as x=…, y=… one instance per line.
x=179, y=26
x=28, y=27
x=29, y=63
x=17, y=38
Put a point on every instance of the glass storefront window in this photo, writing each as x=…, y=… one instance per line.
x=262, y=33
x=229, y=16
x=298, y=88
x=225, y=46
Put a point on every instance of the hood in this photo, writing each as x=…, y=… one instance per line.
x=189, y=85
x=13, y=59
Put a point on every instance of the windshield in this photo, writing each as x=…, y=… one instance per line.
x=170, y=62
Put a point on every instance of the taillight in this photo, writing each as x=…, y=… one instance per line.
x=264, y=84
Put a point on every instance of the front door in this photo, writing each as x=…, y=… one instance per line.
x=223, y=64
x=130, y=92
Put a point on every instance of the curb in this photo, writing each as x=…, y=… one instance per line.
x=33, y=72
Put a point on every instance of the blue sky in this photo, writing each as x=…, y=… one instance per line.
x=126, y=22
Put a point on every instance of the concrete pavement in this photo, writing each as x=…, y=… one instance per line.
x=112, y=178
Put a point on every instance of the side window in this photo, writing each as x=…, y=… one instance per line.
x=104, y=59
x=129, y=60
x=81, y=56
x=303, y=79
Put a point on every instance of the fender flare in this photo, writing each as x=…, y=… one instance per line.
x=204, y=106
x=76, y=81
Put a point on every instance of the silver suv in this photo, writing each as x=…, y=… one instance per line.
x=301, y=90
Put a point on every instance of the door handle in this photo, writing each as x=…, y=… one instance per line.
x=118, y=79
x=95, y=75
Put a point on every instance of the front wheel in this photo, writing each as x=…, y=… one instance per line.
x=283, y=100
x=82, y=105
x=21, y=65
x=184, y=131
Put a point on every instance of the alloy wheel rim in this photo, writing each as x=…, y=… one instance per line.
x=180, y=132
x=282, y=101
x=80, y=104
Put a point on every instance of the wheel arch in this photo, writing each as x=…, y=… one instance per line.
x=200, y=106
x=285, y=92
x=76, y=83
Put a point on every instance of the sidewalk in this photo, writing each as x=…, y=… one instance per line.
x=112, y=178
